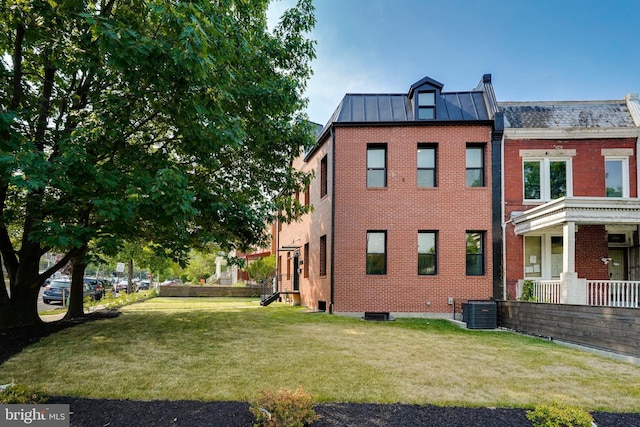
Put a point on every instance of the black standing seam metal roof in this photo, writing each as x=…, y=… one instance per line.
x=370, y=108
x=475, y=105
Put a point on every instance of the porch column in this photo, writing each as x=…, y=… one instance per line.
x=571, y=291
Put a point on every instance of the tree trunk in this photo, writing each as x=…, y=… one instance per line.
x=21, y=309
x=5, y=302
x=130, y=276
x=76, y=301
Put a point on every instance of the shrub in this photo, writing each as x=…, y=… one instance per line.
x=21, y=394
x=555, y=415
x=527, y=292
x=283, y=408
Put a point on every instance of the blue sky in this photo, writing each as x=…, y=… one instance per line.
x=536, y=50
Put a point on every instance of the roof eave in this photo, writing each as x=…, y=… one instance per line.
x=570, y=133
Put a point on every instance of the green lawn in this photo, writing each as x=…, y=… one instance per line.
x=229, y=349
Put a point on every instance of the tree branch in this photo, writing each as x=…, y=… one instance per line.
x=45, y=105
x=17, y=68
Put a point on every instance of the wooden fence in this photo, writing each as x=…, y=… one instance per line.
x=613, y=329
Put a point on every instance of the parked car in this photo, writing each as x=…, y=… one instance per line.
x=96, y=286
x=59, y=289
x=143, y=285
x=122, y=286
x=171, y=282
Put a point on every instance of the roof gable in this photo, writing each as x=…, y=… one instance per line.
x=426, y=83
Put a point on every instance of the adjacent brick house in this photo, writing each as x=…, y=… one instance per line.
x=405, y=196
x=571, y=208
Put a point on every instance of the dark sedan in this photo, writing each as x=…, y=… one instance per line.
x=96, y=286
x=58, y=290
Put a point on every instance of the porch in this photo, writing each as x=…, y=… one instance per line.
x=580, y=250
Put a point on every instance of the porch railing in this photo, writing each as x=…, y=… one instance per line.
x=547, y=291
x=613, y=293
x=608, y=293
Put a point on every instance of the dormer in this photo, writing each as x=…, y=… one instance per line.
x=423, y=97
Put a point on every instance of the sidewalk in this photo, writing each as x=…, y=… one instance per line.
x=55, y=317
x=52, y=317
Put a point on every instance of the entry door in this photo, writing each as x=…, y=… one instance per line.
x=618, y=264
x=296, y=274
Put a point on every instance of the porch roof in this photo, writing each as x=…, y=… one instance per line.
x=580, y=210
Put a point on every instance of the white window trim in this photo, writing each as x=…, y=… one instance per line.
x=625, y=174
x=545, y=177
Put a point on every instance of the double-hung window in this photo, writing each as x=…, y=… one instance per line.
x=426, y=165
x=543, y=256
x=427, y=253
x=323, y=256
x=617, y=176
x=323, y=176
x=426, y=105
x=475, y=166
x=475, y=253
x=546, y=179
x=305, y=264
x=376, y=165
x=376, y=252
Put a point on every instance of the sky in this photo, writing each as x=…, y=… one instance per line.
x=535, y=50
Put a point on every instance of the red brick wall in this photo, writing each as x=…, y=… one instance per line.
x=588, y=166
x=591, y=247
x=308, y=229
x=403, y=209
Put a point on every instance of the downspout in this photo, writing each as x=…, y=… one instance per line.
x=497, y=203
x=333, y=216
x=504, y=226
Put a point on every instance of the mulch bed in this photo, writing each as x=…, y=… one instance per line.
x=159, y=413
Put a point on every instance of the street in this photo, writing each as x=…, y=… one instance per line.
x=44, y=307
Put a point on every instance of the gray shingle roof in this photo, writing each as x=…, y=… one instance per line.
x=567, y=114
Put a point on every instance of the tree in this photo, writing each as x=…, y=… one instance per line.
x=262, y=268
x=172, y=122
x=202, y=264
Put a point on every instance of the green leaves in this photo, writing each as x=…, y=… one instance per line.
x=159, y=120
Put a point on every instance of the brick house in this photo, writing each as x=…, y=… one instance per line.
x=405, y=196
x=571, y=209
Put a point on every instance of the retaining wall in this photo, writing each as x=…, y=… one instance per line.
x=613, y=329
x=208, y=291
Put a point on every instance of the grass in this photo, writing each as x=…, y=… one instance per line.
x=231, y=348
x=107, y=301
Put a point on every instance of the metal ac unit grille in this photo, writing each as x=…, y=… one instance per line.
x=480, y=314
